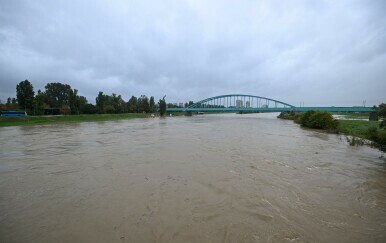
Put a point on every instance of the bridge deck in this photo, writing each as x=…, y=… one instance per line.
x=330, y=109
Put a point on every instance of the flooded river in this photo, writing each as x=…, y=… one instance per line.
x=211, y=178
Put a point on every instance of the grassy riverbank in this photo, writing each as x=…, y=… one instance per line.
x=356, y=128
x=39, y=120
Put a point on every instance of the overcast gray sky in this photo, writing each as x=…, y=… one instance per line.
x=319, y=52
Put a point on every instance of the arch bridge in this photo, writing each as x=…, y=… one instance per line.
x=253, y=103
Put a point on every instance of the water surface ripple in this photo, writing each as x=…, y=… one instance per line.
x=212, y=178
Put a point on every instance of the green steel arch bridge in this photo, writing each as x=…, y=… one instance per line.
x=252, y=103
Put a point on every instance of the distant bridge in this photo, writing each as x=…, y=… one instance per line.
x=252, y=103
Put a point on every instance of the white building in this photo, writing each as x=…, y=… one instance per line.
x=239, y=103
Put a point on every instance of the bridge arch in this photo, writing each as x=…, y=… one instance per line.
x=239, y=101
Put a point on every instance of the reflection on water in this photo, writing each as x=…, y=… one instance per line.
x=212, y=178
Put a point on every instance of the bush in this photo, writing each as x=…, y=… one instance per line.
x=305, y=118
x=322, y=120
x=318, y=120
x=287, y=115
x=377, y=136
x=372, y=133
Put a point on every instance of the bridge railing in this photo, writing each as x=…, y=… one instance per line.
x=239, y=101
x=300, y=109
x=252, y=103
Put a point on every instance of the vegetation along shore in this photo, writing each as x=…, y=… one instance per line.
x=351, y=125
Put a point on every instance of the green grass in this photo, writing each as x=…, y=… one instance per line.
x=356, y=128
x=39, y=120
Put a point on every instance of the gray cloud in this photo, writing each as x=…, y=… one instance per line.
x=322, y=53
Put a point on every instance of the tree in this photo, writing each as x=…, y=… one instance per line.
x=110, y=104
x=58, y=95
x=39, y=103
x=152, y=104
x=382, y=114
x=82, y=102
x=132, y=105
x=162, y=106
x=25, y=95
x=118, y=103
x=89, y=109
x=100, y=102
x=76, y=102
x=8, y=104
x=143, y=104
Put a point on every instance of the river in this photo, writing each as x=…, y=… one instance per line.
x=211, y=178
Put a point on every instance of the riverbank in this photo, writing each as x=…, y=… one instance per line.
x=356, y=128
x=40, y=120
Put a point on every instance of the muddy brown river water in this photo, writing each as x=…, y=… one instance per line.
x=211, y=178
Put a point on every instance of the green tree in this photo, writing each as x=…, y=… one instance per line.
x=100, y=100
x=379, y=135
x=132, y=105
x=25, y=95
x=382, y=114
x=110, y=104
x=152, y=104
x=143, y=104
x=82, y=102
x=76, y=102
x=39, y=103
x=58, y=95
x=89, y=109
x=118, y=103
x=162, y=106
x=8, y=104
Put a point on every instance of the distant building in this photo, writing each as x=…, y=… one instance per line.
x=181, y=105
x=247, y=104
x=239, y=103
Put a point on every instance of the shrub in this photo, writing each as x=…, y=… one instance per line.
x=322, y=120
x=317, y=119
x=287, y=115
x=378, y=136
x=382, y=140
x=305, y=118
x=372, y=133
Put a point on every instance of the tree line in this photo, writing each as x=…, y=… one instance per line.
x=67, y=101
